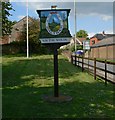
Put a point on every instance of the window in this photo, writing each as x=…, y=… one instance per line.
x=16, y=29
x=93, y=42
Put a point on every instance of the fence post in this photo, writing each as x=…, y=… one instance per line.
x=88, y=61
x=95, y=68
x=71, y=59
x=82, y=63
x=78, y=61
x=88, y=64
x=75, y=60
x=105, y=72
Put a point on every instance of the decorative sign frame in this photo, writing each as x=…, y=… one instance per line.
x=54, y=26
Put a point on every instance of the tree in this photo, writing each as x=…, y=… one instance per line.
x=34, y=30
x=23, y=33
x=33, y=34
x=82, y=34
x=6, y=23
x=14, y=22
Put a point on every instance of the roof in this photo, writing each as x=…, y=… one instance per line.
x=79, y=40
x=105, y=42
x=102, y=36
x=82, y=39
x=23, y=19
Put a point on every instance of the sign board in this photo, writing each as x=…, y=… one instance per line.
x=86, y=45
x=54, y=33
x=54, y=26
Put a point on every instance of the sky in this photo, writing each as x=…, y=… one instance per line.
x=94, y=17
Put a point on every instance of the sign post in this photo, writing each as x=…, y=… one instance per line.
x=86, y=46
x=54, y=33
x=56, y=89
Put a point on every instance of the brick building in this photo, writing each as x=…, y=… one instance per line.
x=104, y=49
x=98, y=37
x=17, y=30
x=4, y=40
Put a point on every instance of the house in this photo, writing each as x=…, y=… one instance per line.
x=17, y=30
x=98, y=37
x=104, y=49
x=78, y=41
x=4, y=40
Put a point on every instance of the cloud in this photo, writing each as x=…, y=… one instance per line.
x=109, y=31
x=91, y=34
x=106, y=17
x=104, y=10
x=21, y=16
x=42, y=5
x=94, y=7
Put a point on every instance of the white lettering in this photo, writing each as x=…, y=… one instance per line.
x=55, y=40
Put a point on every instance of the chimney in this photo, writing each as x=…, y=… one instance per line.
x=53, y=6
x=103, y=33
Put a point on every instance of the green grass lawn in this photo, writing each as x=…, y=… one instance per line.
x=25, y=81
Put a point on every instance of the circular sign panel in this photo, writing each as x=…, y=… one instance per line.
x=54, y=23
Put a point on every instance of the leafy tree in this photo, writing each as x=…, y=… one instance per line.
x=14, y=22
x=23, y=33
x=82, y=34
x=6, y=23
x=33, y=34
x=34, y=30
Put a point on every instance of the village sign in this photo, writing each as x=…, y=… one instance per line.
x=54, y=33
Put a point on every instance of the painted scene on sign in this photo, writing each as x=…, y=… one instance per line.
x=54, y=24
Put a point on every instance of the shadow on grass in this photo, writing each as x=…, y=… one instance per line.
x=19, y=71
x=89, y=101
x=22, y=92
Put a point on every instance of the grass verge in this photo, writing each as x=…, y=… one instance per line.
x=25, y=81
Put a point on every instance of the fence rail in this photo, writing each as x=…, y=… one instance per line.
x=99, y=68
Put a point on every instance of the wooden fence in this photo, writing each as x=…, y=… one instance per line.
x=99, y=68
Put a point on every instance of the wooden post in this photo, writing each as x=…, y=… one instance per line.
x=95, y=68
x=75, y=60
x=71, y=59
x=82, y=63
x=105, y=72
x=78, y=61
x=56, y=93
x=88, y=61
